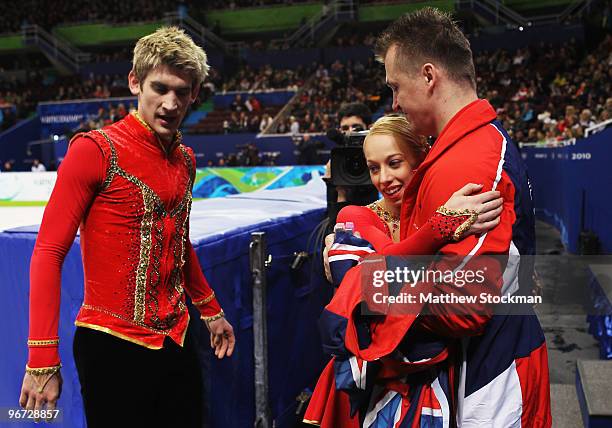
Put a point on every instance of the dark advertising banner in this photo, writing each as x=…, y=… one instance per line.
x=61, y=117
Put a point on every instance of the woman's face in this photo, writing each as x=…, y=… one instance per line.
x=391, y=166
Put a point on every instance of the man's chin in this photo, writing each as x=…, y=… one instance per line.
x=165, y=133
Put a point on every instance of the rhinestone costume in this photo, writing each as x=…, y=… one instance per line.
x=137, y=258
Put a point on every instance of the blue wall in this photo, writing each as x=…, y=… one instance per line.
x=208, y=146
x=561, y=177
x=512, y=39
x=276, y=98
x=13, y=142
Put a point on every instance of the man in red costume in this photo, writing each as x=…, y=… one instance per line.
x=128, y=187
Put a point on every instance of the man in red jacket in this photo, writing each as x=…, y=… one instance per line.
x=503, y=367
x=501, y=357
x=128, y=187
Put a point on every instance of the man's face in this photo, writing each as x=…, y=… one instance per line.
x=352, y=124
x=410, y=94
x=163, y=98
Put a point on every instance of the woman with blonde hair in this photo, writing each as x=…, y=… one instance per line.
x=391, y=369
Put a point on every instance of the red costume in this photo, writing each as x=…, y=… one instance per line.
x=131, y=196
x=370, y=223
x=409, y=386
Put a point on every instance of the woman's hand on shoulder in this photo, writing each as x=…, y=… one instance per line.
x=488, y=206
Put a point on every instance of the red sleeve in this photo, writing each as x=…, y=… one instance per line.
x=483, y=166
x=78, y=179
x=197, y=287
x=427, y=240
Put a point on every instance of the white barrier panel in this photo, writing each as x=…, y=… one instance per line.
x=26, y=186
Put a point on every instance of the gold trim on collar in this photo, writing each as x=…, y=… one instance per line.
x=142, y=122
x=176, y=140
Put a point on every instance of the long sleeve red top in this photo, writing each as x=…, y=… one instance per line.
x=131, y=196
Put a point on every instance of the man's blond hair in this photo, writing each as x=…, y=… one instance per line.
x=172, y=47
x=403, y=130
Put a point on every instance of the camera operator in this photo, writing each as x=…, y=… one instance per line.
x=352, y=117
x=308, y=150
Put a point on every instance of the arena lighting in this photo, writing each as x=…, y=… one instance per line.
x=521, y=28
x=55, y=137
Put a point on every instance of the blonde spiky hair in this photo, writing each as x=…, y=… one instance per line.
x=172, y=47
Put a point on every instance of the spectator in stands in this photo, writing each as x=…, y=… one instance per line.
x=254, y=124
x=8, y=166
x=252, y=104
x=237, y=104
x=38, y=166
x=266, y=120
x=294, y=126
x=129, y=339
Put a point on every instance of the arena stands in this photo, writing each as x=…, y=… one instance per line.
x=543, y=93
x=15, y=14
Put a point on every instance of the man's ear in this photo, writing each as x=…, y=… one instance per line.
x=195, y=91
x=133, y=83
x=430, y=74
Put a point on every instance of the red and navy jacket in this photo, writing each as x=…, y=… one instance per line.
x=504, y=370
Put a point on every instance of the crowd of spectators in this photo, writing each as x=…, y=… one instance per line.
x=332, y=86
x=542, y=93
x=263, y=79
x=19, y=99
x=47, y=14
x=15, y=14
x=104, y=117
x=545, y=93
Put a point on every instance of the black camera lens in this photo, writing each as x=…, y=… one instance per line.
x=355, y=165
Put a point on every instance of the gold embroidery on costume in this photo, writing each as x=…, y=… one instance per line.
x=205, y=300
x=151, y=237
x=177, y=140
x=124, y=318
x=40, y=371
x=115, y=333
x=43, y=342
x=385, y=216
x=465, y=226
x=142, y=122
x=213, y=318
x=113, y=167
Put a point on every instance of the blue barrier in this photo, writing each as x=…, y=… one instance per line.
x=600, y=320
x=13, y=142
x=207, y=147
x=295, y=299
x=567, y=178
